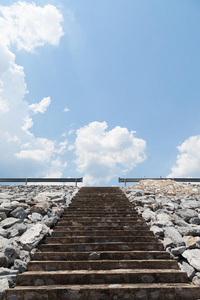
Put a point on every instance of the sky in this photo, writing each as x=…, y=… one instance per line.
x=99, y=89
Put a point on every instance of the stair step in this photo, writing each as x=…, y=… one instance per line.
x=128, y=246
x=99, y=239
x=101, y=265
x=112, y=233
x=142, y=291
x=111, y=255
x=96, y=228
x=102, y=276
x=100, y=223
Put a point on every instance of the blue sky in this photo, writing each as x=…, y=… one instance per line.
x=128, y=72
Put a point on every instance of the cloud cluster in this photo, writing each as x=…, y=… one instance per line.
x=103, y=154
x=22, y=153
x=188, y=161
x=28, y=26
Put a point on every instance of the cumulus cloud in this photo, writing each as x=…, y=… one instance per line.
x=28, y=26
x=22, y=153
x=66, y=109
x=40, y=107
x=102, y=154
x=188, y=161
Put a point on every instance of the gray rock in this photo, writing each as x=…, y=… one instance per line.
x=187, y=214
x=21, y=228
x=193, y=231
x=19, y=265
x=4, y=285
x=163, y=215
x=35, y=217
x=94, y=256
x=3, y=260
x=8, y=222
x=196, y=280
x=10, y=275
x=187, y=268
x=190, y=203
x=178, y=250
x=157, y=231
x=192, y=242
x=24, y=256
x=174, y=235
x=167, y=242
x=193, y=257
x=19, y=213
x=10, y=249
x=148, y=214
x=33, y=236
x=3, y=215
x=195, y=220
x=162, y=224
x=49, y=221
x=182, y=223
x=4, y=233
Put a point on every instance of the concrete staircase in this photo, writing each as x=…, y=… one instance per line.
x=102, y=249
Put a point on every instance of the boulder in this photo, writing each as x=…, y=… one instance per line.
x=187, y=214
x=19, y=213
x=8, y=222
x=19, y=265
x=193, y=257
x=4, y=285
x=174, y=235
x=187, y=268
x=31, y=238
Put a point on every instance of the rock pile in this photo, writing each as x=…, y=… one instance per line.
x=172, y=210
x=27, y=214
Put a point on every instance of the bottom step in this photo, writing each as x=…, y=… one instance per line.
x=106, y=292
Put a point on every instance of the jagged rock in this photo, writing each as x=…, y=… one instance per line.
x=3, y=215
x=19, y=265
x=9, y=248
x=49, y=221
x=163, y=215
x=192, y=242
x=196, y=280
x=33, y=236
x=3, y=260
x=8, y=222
x=178, y=250
x=167, y=242
x=35, y=217
x=193, y=231
x=174, y=235
x=190, y=203
x=157, y=231
x=24, y=256
x=40, y=208
x=195, y=220
x=20, y=227
x=148, y=214
x=10, y=275
x=193, y=257
x=187, y=214
x=4, y=285
x=187, y=268
x=19, y=213
x=182, y=223
x=162, y=224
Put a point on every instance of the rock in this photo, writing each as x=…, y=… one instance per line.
x=162, y=224
x=148, y=214
x=157, y=231
x=190, y=203
x=24, y=256
x=163, y=216
x=19, y=265
x=4, y=285
x=21, y=228
x=178, y=250
x=187, y=268
x=3, y=215
x=193, y=231
x=35, y=217
x=193, y=257
x=33, y=236
x=19, y=213
x=187, y=214
x=9, y=248
x=167, y=242
x=4, y=233
x=40, y=208
x=182, y=223
x=9, y=275
x=3, y=260
x=192, y=242
x=174, y=235
x=196, y=280
x=49, y=221
x=195, y=220
x=94, y=256
x=8, y=222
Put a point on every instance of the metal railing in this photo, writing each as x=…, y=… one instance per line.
x=125, y=180
x=26, y=180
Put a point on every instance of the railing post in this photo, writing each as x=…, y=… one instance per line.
x=26, y=181
x=76, y=182
x=125, y=182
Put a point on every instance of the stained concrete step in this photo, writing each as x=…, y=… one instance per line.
x=99, y=239
x=103, y=214
x=127, y=246
x=102, y=276
x=103, y=232
x=141, y=291
x=100, y=223
x=96, y=228
x=101, y=265
x=108, y=255
x=102, y=219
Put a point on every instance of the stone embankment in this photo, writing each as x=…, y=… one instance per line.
x=27, y=214
x=172, y=210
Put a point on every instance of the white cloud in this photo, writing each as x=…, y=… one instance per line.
x=102, y=154
x=66, y=109
x=29, y=26
x=22, y=153
x=188, y=161
x=40, y=107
